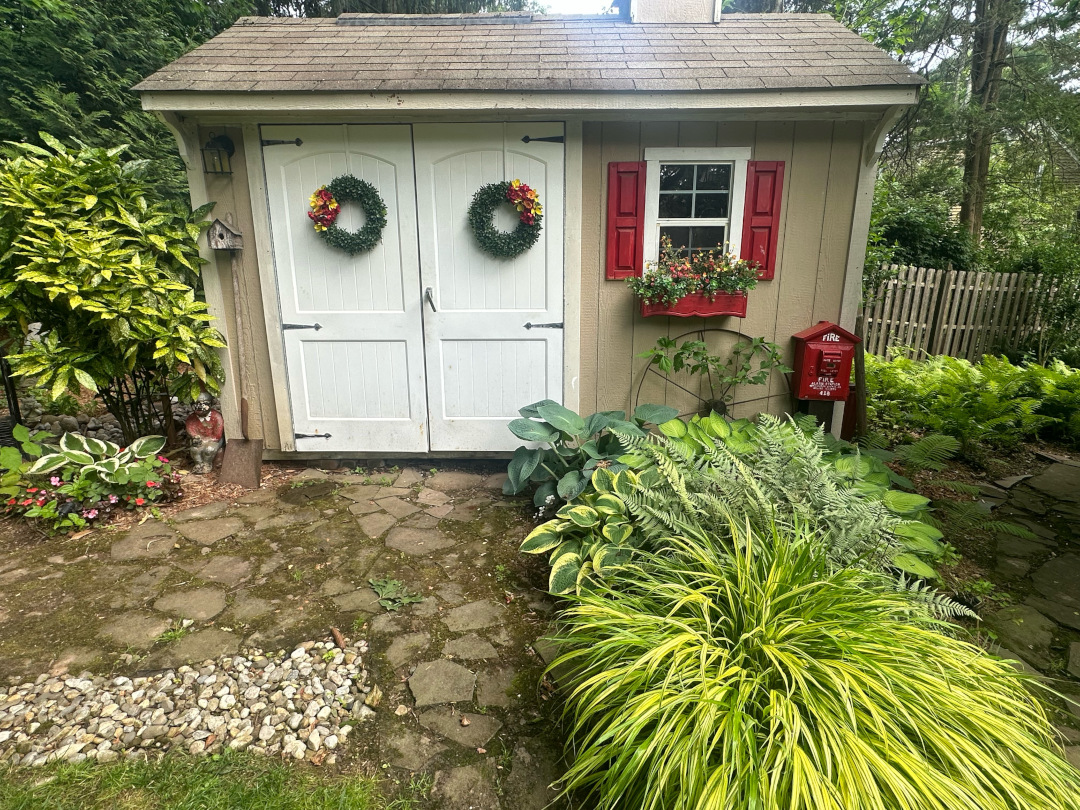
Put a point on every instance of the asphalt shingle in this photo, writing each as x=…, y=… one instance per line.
x=364, y=52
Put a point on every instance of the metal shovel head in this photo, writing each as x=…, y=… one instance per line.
x=242, y=463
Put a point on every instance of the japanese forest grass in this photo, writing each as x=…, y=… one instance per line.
x=766, y=679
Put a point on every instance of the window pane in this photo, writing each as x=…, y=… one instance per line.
x=674, y=177
x=680, y=236
x=675, y=206
x=712, y=205
x=714, y=177
x=703, y=238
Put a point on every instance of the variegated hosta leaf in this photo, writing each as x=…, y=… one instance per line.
x=583, y=516
x=48, y=464
x=618, y=532
x=147, y=446
x=609, y=505
x=903, y=503
x=564, y=572
x=541, y=539
x=73, y=443
x=78, y=457
x=603, y=480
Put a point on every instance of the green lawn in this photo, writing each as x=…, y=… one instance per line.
x=226, y=782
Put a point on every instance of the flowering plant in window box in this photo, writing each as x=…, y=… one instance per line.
x=695, y=283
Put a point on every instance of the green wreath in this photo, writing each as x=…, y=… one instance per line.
x=326, y=205
x=482, y=209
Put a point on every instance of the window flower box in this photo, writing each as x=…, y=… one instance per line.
x=699, y=305
x=688, y=283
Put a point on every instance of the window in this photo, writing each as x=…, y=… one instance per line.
x=695, y=197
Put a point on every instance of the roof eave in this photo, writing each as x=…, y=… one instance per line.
x=244, y=102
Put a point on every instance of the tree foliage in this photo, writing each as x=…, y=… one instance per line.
x=67, y=68
x=107, y=273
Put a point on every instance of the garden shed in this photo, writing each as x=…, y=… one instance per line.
x=758, y=130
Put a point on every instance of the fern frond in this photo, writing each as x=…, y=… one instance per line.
x=929, y=453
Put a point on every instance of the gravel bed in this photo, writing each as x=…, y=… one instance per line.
x=302, y=706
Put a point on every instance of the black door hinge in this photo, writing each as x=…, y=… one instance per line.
x=278, y=142
x=315, y=326
x=548, y=139
x=558, y=325
x=311, y=435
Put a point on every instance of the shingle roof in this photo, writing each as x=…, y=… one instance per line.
x=362, y=52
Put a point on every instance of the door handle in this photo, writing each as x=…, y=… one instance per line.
x=429, y=299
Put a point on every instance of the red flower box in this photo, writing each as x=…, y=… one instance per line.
x=699, y=305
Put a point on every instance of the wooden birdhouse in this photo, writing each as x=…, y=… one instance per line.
x=221, y=236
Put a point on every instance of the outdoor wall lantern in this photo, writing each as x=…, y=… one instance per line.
x=216, y=154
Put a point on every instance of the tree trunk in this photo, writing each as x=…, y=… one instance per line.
x=989, y=47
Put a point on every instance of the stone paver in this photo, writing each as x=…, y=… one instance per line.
x=285, y=520
x=144, y=547
x=405, y=648
x=1024, y=631
x=226, y=570
x=360, y=492
x=208, y=532
x=363, y=600
x=470, y=648
x=493, y=687
x=418, y=542
x=467, y=729
x=209, y=510
x=375, y=524
x=413, y=750
x=198, y=646
x=136, y=629
x=1059, y=481
x=397, y=507
x=247, y=607
x=474, y=616
x=469, y=787
x=1059, y=580
x=454, y=481
x=198, y=604
x=436, y=682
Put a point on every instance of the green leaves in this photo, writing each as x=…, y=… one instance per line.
x=532, y=431
x=562, y=419
x=655, y=414
x=108, y=272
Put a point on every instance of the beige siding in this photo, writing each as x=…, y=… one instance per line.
x=821, y=175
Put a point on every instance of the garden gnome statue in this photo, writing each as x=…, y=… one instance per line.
x=205, y=429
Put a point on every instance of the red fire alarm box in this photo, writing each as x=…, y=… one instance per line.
x=823, y=357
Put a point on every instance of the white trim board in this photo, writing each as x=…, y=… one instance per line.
x=511, y=103
x=740, y=155
x=572, y=207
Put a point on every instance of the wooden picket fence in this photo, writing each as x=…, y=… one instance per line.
x=960, y=313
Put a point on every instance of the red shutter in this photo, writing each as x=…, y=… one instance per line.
x=761, y=214
x=625, y=219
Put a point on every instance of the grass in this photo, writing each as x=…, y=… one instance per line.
x=231, y=781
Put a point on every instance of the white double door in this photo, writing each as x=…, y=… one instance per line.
x=426, y=342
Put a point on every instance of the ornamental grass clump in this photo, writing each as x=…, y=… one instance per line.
x=761, y=679
x=705, y=272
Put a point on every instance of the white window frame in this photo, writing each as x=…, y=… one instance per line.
x=739, y=156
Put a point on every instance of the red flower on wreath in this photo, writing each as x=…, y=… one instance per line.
x=324, y=209
x=525, y=200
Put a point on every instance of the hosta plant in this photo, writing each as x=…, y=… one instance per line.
x=750, y=673
x=85, y=480
x=590, y=538
x=565, y=448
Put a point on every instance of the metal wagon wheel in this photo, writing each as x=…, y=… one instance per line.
x=710, y=403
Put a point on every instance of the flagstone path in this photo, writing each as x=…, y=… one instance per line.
x=1043, y=628
x=456, y=675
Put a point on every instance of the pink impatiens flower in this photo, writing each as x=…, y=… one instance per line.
x=90, y=514
x=55, y=481
x=114, y=499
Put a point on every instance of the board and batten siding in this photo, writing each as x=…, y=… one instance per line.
x=821, y=178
